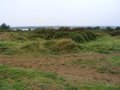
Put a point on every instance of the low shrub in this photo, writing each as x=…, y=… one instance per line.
x=115, y=33
x=77, y=36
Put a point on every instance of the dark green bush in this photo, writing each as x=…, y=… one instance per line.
x=83, y=37
x=115, y=33
x=59, y=35
x=77, y=36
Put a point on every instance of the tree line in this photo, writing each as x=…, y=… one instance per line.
x=5, y=27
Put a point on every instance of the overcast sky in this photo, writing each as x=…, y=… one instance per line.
x=60, y=12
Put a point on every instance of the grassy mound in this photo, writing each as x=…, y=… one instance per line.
x=8, y=48
x=62, y=46
x=35, y=47
x=32, y=46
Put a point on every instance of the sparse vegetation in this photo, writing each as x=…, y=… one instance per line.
x=23, y=79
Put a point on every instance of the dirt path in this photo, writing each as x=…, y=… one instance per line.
x=59, y=65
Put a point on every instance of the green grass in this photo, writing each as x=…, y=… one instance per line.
x=98, y=86
x=114, y=60
x=12, y=78
x=105, y=45
x=25, y=79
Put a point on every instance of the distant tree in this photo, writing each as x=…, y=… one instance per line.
x=97, y=28
x=89, y=28
x=64, y=28
x=109, y=28
x=117, y=28
x=18, y=30
x=4, y=26
x=29, y=29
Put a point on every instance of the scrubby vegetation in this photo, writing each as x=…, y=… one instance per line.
x=59, y=42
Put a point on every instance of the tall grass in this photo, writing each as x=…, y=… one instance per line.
x=62, y=46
